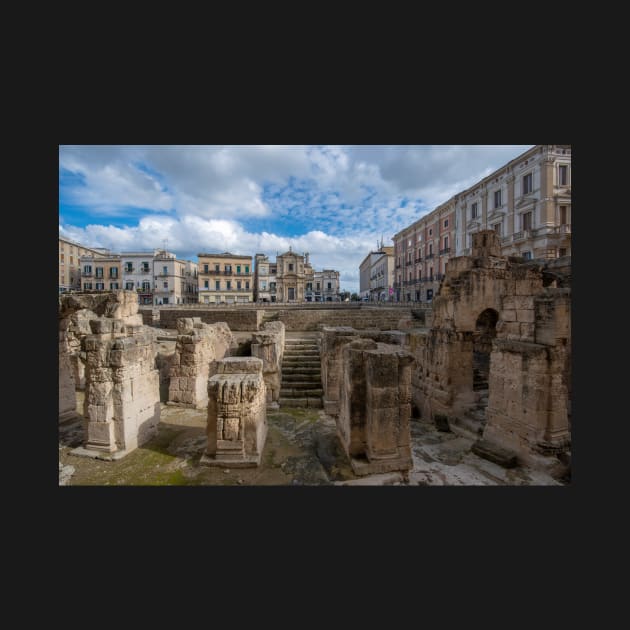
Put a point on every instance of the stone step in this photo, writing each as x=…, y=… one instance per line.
x=301, y=370
x=498, y=455
x=302, y=384
x=300, y=393
x=313, y=403
x=301, y=353
x=300, y=378
x=299, y=362
x=296, y=349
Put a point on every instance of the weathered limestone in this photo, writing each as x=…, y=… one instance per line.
x=496, y=359
x=75, y=313
x=268, y=345
x=237, y=415
x=198, y=348
x=375, y=407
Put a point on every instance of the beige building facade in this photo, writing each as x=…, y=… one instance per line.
x=326, y=286
x=225, y=278
x=265, y=287
x=70, y=254
x=293, y=273
x=382, y=276
x=527, y=203
x=173, y=279
x=101, y=273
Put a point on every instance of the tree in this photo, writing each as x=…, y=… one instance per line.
x=355, y=297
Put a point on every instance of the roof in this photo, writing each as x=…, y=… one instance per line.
x=224, y=255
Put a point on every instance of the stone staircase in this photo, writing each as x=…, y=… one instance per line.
x=301, y=374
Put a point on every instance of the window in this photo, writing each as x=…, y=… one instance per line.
x=217, y=267
x=527, y=184
x=62, y=258
x=165, y=271
x=247, y=285
x=563, y=215
x=263, y=285
x=113, y=272
x=206, y=284
x=409, y=243
x=329, y=285
x=474, y=210
x=238, y=285
x=99, y=272
x=309, y=286
x=128, y=267
x=165, y=285
x=290, y=266
x=87, y=286
x=430, y=231
x=71, y=260
x=145, y=266
x=409, y=261
x=238, y=269
x=100, y=286
x=228, y=285
x=228, y=268
x=527, y=255
x=430, y=249
x=445, y=223
x=217, y=285
x=205, y=268
x=563, y=172
x=563, y=251
x=113, y=286
x=497, y=228
x=146, y=285
x=446, y=242
x=246, y=268
x=431, y=274
x=497, y=198
x=129, y=286
x=527, y=221
x=317, y=286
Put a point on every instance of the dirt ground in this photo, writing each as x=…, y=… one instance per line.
x=301, y=449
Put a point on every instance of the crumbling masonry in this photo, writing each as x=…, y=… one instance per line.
x=122, y=408
x=268, y=345
x=199, y=347
x=496, y=361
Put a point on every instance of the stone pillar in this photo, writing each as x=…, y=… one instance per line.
x=237, y=416
x=510, y=205
x=373, y=422
x=332, y=342
x=122, y=396
x=198, y=346
x=67, y=396
x=268, y=345
x=547, y=204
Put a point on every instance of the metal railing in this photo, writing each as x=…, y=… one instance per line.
x=446, y=250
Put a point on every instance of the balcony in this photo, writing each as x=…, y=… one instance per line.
x=418, y=260
x=429, y=256
x=145, y=270
x=397, y=266
x=565, y=229
x=444, y=251
x=129, y=269
x=518, y=236
x=162, y=274
x=86, y=274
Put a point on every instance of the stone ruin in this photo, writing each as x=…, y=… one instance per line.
x=496, y=362
x=199, y=347
x=367, y=389
x=268, y=345
x=122, y=404
x=237, y=416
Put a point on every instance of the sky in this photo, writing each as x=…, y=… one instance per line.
x=335, y=202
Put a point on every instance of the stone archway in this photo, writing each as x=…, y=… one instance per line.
x=485, y=332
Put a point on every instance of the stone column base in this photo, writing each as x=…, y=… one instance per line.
x=228, y=461
x=107, y=456
x=362, y=467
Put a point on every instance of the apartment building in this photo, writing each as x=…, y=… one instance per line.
x=527, y=202
x=101, y=272
x=326, y=287
x=382, y=276
x=421, y=254
x=70, y=254
x=265, y=289
x=137, y=274
x=225, y=278
x=173, y=279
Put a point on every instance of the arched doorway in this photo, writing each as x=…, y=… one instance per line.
x=485, y=332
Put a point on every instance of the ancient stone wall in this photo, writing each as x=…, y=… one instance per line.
x=333, y=339
x=268, y=345
x=236, y=319
x=199, y=346
x=375, y=406
x=237, y=416
x=306, y=320
x=522, y=360
x=121, y=408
